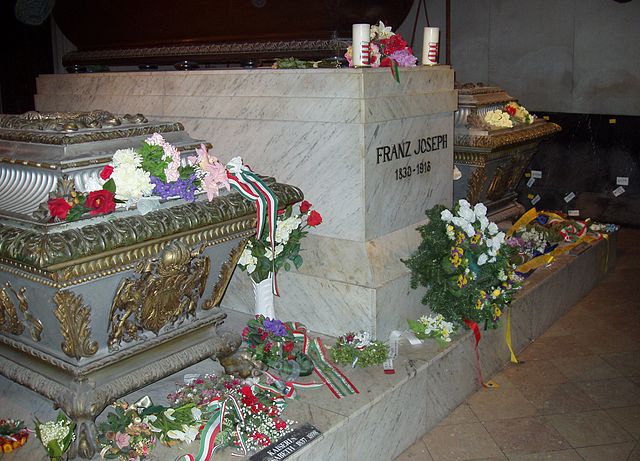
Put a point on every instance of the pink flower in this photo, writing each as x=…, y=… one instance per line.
x=122, y=440
x=216, y=174
x=156, y=139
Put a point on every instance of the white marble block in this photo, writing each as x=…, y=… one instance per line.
x=371, y=155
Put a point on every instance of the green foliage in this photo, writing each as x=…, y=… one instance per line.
x=152, y=160
x=345, y=352
x=465, y=287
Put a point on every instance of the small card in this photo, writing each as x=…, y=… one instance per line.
x=622, y=181
x=570, y=196
x=618, y=191
x=536, y=174
x=387, y=366
x=530, y=182
x=535, y=200
x=573, y=212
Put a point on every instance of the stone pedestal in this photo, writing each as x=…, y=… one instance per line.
x=371, y=154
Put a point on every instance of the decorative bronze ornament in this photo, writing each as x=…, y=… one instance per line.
x=476, y=182
x=9, y=321
x=166, y=291
x=75, y=321
x=224, y=276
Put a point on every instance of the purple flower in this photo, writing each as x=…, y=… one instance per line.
x=183, y=188
x=275, y=327
x=404, y=58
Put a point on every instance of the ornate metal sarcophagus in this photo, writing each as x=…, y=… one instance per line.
x=94, y=309
x=492, y=160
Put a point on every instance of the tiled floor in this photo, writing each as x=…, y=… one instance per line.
x=576, y=394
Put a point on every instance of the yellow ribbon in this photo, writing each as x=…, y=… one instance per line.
x=507, y=336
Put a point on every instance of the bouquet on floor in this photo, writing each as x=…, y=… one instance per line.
x=13, y=435
x=273, y=343
x=128, y=434
x=358, y=349
x=433, y=327
x=56, y=436
x=464, y=264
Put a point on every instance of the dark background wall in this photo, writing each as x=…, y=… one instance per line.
x=25, y=52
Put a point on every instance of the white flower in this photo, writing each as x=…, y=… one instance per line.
x=459, y=222
x=480, y=210
x=156, y=139
x=502, y=276
x=463, y=203
x=168, y=413
x=126, y=157
x=235, y=165
x=269, y=254
x=492, y=260
x=498, y=239
x=380, y=31
x=131, y=182
x=188, y=434
x=492, y=228
x=285, y=228
x=53, y=430
x=469, y=230
x=484, y=222
x=467, y=214
x=446, y=216
x=248, y=260
x=482, y=259
x=92, y=184
x=196, y=413
x=362, y=339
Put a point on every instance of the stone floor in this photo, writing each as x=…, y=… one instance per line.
x=574, y=396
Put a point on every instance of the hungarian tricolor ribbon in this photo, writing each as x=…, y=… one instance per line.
x=253, y=188
x=329, y=374
x=473, y=326
x=213, y=427
x=289, y=387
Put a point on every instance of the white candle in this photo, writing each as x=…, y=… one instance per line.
x=430, y=46
x=361, y=44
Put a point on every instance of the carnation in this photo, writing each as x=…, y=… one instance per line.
x=126, y=157
x=404, y=58
x=133, y=183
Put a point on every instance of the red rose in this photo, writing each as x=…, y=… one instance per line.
x=100, y=202
x=314, y=218
x=267, y=347
x=281, y=211
x=245, y=332
x=264, y=336
x=280, y=424
x=305, y=206
x=106, y=172
x=511, y=110
x=288, y=346
x=386, y=62
x=59, y=208
x=392, y=44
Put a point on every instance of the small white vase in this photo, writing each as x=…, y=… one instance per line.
x=264, y=298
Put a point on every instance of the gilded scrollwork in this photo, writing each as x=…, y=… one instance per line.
x=75, y=325
x=9, y=319
x=476, y=184
x=165, y=291
x=224, y=276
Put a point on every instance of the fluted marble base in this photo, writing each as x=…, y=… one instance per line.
x=391, y=411
x=347, y=137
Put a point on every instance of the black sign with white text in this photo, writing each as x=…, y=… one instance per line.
x=288, y=444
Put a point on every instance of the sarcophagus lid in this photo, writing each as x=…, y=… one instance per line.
x=38, y=149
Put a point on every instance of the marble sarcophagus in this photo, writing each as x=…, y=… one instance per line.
x=94, y=309
x=492, y=160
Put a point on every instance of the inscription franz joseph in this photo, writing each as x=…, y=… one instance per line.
x=406, y=149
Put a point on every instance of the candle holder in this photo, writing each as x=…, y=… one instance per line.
x=361, y=45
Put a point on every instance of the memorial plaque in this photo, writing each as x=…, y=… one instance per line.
x=289, y=444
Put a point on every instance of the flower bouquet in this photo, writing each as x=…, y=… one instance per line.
x=434, y=327
x=260, y=420
x=272, y=343
x=258, y=260
x=464, y=265
x=156, y=168
x=387, y=49
x=358, y=349
x=56, y=436
x=127, y=433
x=510, y=115
x=13, y=435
